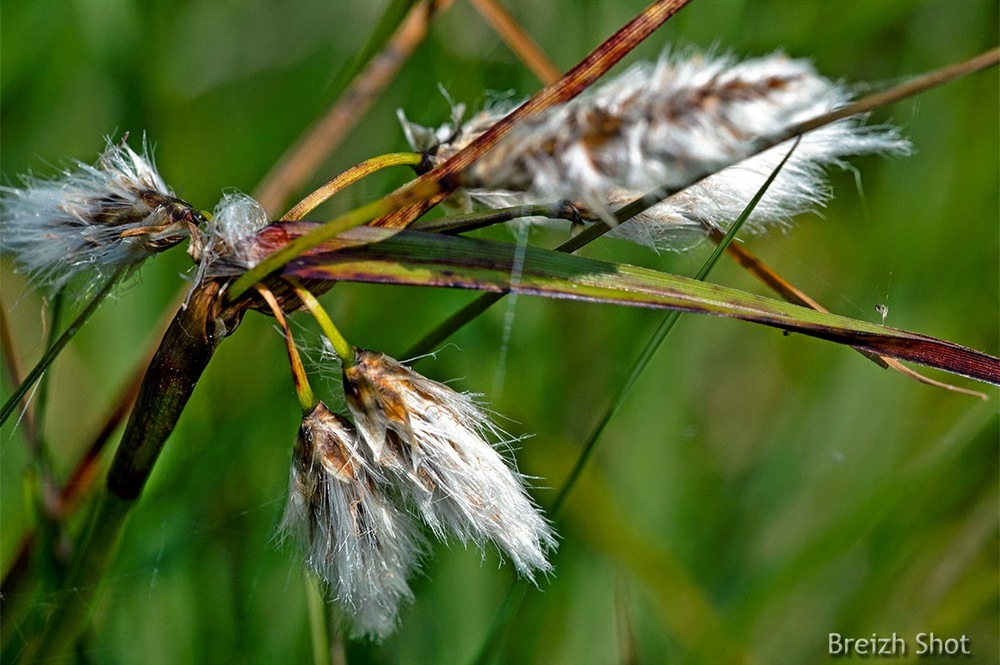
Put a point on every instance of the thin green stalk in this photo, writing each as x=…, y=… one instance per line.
x=344, y=350
x=319, y=626
x=517, y=592
x=54, y=350
x=44, y=488
x=184, y=352
x=502, y=622
x=451, y=325
x=42, y=395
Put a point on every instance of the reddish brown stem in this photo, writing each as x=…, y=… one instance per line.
x=519, y=41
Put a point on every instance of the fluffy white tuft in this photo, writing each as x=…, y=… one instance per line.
x=92, y=218
x=352, y=535
x=222, y=247
x=662, y=125
x=430, y=439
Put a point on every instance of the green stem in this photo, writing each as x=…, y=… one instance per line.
x=184, y=352
x=502, y=622
x=344, y=350
x=53, y=351
x=319, y=626
x=451, y=325
x=45, y=488
x=42, y=395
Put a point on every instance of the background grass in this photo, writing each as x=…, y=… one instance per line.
x=757, y=491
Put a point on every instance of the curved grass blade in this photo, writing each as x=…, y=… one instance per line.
x=57, y=346
x=896, y=93
x=370, y=254
x=518, y=591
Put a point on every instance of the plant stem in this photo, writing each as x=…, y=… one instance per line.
x=307, y=400
x=344, y=349
x=349, y=177
x=184, y=352
x=53, y=351
x=319, y=627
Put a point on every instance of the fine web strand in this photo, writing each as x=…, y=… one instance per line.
x=517, y=268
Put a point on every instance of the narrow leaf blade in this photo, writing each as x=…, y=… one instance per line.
x=413, y=258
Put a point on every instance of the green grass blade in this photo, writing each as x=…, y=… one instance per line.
x=517, y=592
x=668, y=323
x=53, y=351
x=427, y=259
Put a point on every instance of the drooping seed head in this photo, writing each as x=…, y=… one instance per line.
x=352, y=534
x=431, y=441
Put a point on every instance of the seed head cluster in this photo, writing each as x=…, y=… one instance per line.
x=352, y=535
x=416, y=450
x=92, y=219
x=663, y=125
x=418, y=444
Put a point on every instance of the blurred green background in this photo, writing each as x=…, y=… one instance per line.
x=757, y=492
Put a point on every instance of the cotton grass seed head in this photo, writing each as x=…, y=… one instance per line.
x=352, y=535
x=431, y=441
x=718, y=200
x=662, y=125
x=92, y=218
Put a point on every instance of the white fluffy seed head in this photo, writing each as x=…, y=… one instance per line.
x=224, y=246
x=662, y=125
x=92, y=219
x=431, y=441
x=351, y=534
